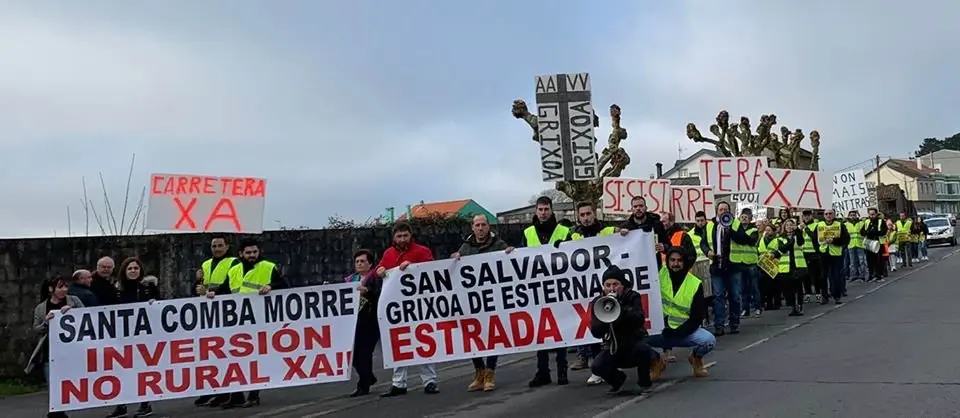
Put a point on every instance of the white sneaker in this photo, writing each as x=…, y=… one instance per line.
x=594, y=380
x=925, y=258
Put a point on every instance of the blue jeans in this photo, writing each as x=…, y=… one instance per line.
x=701, y=340
x=543, y=359
x=750, y=291
x=490, y=362
x=726, y=288
x=846, y=263
x=857, y=263
x=923, y=248
x=588, y=351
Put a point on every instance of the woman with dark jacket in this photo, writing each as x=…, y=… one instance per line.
x=134, y=288
x=482, y=240
x=367, y=334
x=54, y=298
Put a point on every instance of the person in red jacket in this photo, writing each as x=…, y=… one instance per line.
x=401, y=254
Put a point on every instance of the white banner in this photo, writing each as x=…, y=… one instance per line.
x=788, y=188
x=498, y=303
x=850, y=193
x=178, y=348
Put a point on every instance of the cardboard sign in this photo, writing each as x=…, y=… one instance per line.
x=194, y=203
x=802, y=189
x=850, y=193
x=769, y=265
x=759, y=212
x=686, y=201
x=732, y=174
x=565, y=124
x=619, y=191
x=745, y=197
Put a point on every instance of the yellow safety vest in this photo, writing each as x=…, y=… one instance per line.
x=834, y=228
x=711, y=240
x=783, y=266
x=255, y=279
x=763, y=244
x=808, y=247
x=903, y=231
x=676, y=307
x=576, y=235
x=696, y=244
x=743, y=254
x=533, y=240
x=219, y=274
x=853, y=228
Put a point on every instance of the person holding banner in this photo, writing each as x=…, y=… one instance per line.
x=770, y=286
x=400, y=255
x=211, y=275
x=684, y=309
x=546, y=230
x=792, y=266
x=135, y=288
x=482, y=241
x=588, y=226
x=253, y=275
x=641, y=219
x=367, y=334
x=624, y=339
x=54, y=298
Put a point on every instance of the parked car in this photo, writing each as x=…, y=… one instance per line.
x=942, y=231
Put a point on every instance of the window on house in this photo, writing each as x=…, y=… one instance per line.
x=683, y=172
x=953, y=188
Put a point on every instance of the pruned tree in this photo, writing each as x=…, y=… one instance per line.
x=555, y=195
x=737, y=140
x=132, y=219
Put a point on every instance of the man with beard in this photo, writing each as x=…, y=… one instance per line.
x=588, y=226
x=744, y=257
x=252, y=275
x=402, y=254
x=546, y=230
x=211, y=275
x=702, y=229
x=684, y=309
x=876, y=229
x=624, y=344
x=725, y=275
x=856, y=259
x=481, y=241
x=102, y=284
x=833, y=238
x=649, y=222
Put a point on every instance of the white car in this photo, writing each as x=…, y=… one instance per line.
x=941, y=231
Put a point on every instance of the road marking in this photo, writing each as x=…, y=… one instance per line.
x=659, y=388
x=753, y=344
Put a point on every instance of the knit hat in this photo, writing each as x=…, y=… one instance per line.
x=614, y=272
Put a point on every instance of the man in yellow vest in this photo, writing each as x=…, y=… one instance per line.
x=744, y=256
x=677, y=237
x=698, y=234
x=815, y=281
x=874, y=228
x=904, y=247
x=856, y=258
x=545, y=230
x=588, y=226
x=211, y=275
x=252, y=275
x=833, y=239
x=725, y=276
x=684, y=309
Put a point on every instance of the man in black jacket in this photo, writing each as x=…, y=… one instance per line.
x=626, y=346
x=684, y=309
x=875, y=229
x=649, y=222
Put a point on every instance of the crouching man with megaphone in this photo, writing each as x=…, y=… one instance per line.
x=618, y=319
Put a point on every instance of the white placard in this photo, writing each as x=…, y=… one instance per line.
x=565, y=118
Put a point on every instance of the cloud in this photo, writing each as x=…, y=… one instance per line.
x=410, y=104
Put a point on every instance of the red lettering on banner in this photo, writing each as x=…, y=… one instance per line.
x=105, y=388
x=686, y=201
x=645, y=302
x=319, y=365
x=585, y=313
x=731, y=175
x=475, y=335
x=185, y=213
x=179, y=185
x=619, y=193
x=778, y=189
x=179, y=380
x=811, y=186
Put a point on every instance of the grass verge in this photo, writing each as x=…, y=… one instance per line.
x=17, y=387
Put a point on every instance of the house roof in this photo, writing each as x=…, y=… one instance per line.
x=685, y=181
x=702, y=152
x=557, y=206
x=423, y=210
x=906, y=167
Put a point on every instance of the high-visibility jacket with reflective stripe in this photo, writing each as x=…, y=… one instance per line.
x=533, y=240
x=808, y=246
x=903, y=231
x=676, y=307
x=834, y=230
x=219, y=273
x=696, y=244
x=740, y=253
x=576, y=235
x=853, y=228
x=783, y=266
x=254, y=280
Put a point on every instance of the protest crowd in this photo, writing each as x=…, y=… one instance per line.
x=754, y=267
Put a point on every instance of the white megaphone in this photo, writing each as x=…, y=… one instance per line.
x=607, y=309
x=725, y=219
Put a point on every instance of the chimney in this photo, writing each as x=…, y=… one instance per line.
x=659, y=170
x=919, y=164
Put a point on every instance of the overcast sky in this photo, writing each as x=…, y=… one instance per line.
x=349, y=107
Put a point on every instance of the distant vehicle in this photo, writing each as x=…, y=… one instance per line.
x=941, y=231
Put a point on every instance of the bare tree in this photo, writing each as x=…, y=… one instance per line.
x=108, y=223
x=555, y=195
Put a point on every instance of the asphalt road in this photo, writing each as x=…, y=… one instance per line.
x=886, y=353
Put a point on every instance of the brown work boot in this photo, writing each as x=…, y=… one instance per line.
x=697, y=364
x=488, y=384
x=478, y=380
x=656, y=369
x=580, y=364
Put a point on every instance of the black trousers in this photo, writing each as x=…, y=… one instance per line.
x=365, y=343
x=608, y=365
x=811, y=282
x=770, y=291
x=793, y=287
x=875, y=264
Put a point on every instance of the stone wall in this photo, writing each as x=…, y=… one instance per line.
x=307, y=257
